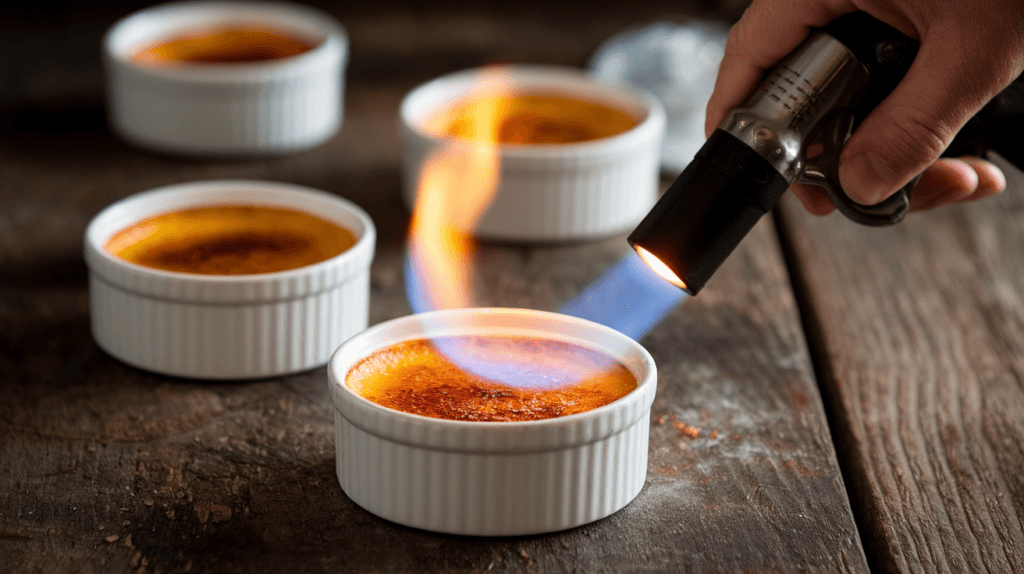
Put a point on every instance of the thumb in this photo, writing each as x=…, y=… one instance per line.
x=909, y=130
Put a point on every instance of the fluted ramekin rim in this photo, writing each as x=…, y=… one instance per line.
x=331, y=49
x=127, y=275
x=546, y=434
x=549, y=78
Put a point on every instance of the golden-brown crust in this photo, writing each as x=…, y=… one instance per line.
x=223, y=45
x=534, y=119
x=414, y=377
x=230, y=240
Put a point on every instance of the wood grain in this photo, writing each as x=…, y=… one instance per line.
x=109, y=468
x=919, y=333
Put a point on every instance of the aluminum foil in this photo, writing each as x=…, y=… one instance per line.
x=677, y=63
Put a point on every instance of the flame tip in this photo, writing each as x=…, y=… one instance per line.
x=659, y=267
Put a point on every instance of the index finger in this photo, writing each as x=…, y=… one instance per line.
x=766, y=33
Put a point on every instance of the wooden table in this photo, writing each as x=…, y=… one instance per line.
x=837, y=399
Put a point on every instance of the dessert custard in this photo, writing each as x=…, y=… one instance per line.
x=229, y=44
x=230, y=240
x=558, y=378
x=533, y=119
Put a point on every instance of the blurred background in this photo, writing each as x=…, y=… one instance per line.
x=51, y=48
x=52, y=118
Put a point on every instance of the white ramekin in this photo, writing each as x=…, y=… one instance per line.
x=251, y=108
x=549, y=192
x=228, y=326
x=492, y=478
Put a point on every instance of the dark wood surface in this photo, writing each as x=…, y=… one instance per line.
x=108, y=468
x=918, y=333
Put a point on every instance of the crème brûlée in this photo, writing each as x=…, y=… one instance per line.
x=534, y=378
x=531, y=119
x=223, y=45
x=230, y=240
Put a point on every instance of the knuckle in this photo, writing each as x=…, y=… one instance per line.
x=737, y=43
x=920, y=138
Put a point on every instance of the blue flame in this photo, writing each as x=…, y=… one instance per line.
x=415, y=289
x=480, y=361
x=521, y=368
x=628, y=297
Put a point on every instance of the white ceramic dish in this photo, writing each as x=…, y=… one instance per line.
x=227, y=326
x=253, y=108
x=492, y=478
x=550, y=192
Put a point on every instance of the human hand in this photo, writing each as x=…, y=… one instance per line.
x=969, y=52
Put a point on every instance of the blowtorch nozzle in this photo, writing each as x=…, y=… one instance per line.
x=815, y=97
x=705, y=213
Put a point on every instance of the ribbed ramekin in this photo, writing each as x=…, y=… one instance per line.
x=492, y=478
x=549, y=192
x=250, y=108
x=227, y=326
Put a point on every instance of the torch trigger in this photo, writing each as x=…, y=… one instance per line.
x=822, y=170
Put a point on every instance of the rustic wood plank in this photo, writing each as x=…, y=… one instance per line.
x=108, y=468
x=920, y=350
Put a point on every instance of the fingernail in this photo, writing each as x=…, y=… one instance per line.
x=866, y=178
x=993, y=178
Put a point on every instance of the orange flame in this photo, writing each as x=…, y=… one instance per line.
x=456, y=185
x=659, y=267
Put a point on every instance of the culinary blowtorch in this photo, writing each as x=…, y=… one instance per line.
x=792, y=130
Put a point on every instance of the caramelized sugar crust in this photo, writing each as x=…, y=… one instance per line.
x=241, y=43
x=414, y=377
x=534, y=119
x=230, y=240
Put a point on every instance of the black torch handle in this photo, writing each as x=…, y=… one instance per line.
x=997, y=127
x=888, y=55
x=888, y=212
x=886, y=52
